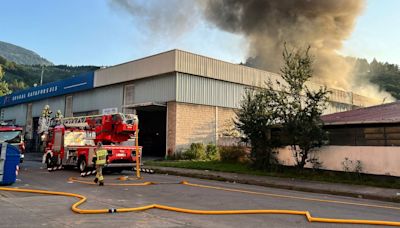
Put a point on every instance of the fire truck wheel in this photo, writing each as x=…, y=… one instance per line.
x=82, y=164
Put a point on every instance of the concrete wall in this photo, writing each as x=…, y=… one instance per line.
x=374, y=159
x=98, y=99
x=17, y=113
x=55, y=103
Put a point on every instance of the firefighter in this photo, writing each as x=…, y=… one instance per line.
x=100, y=160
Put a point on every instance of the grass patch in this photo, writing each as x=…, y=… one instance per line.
x=287, y=172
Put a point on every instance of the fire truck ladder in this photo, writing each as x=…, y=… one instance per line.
x=79, y=121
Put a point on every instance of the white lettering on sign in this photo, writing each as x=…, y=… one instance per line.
x=34, y=93
x=110, y=110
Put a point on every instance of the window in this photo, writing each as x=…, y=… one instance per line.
x=68, y=106
x=10, y=136
x=365, y=136
x=58, y=141
x=129, y=94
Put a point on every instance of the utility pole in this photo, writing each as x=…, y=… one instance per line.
x=41, y=75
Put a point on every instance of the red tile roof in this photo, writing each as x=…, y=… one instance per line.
x=386, y=113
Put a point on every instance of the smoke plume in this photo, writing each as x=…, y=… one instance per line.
x=268, y=24
x=161, y=20
x=323, y=25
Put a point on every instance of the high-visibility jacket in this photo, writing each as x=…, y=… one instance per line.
x=101, y=155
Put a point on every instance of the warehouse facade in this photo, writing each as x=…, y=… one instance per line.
x=180, y=98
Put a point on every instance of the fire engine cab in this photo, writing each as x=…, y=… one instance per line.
x=72, y=141
x=13, y=134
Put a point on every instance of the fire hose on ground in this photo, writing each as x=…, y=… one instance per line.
x=307, y=214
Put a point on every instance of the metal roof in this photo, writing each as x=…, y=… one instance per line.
x=169, y=63
x=386, y=113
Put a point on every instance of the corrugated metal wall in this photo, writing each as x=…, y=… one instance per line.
x=55, y=103
x=194, y=64
x=208, y=67
x=153, y=65
x=155, y=89
x=98, y=99
x=17, y=113
x=206, y=91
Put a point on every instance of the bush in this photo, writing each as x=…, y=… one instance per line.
x=232, y=153
x=212, y=153
x=196, y=151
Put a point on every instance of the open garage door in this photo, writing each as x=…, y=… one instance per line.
x=152, y=128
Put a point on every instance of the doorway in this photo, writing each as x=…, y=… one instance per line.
x=152, y=130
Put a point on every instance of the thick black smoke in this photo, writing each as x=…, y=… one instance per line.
x=267, y=24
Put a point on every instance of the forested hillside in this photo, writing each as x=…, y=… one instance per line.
x=23, y=76
x=385, y=75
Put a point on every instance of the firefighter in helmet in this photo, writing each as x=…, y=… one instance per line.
x=100, y=160
x=46, y=111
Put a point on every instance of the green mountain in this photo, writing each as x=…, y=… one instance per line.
x=21, y=55
x=21, y=68
x=23, y=76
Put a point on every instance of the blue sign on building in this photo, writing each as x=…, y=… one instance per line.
x=70, y=85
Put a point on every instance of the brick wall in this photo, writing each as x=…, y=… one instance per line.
x=226, y=127
x=191, y=123
x=225, y=120
x=195, y=123
x=171, y=127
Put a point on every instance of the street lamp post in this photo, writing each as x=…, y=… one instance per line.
x=41, y=75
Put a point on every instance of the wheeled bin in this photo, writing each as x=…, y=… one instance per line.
x=9, y=162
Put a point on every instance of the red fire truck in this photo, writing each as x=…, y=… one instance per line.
x=72, y=141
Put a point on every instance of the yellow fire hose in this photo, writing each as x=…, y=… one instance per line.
x=307, y=214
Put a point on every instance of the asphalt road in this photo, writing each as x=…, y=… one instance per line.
x=32, y=210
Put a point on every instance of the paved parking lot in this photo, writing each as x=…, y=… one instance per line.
x=33, y=210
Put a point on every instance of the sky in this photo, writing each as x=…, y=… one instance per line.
x=94, y=32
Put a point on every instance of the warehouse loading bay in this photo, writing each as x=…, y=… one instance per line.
x=158, y=200
x=152, y=134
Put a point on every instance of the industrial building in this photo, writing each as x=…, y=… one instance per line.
x=180, y=98
x=364, y=140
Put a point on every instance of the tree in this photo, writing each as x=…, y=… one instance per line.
x=16, y=85
x=288, y=105
x=4, y=90
x=256, y=119
x=301, y=106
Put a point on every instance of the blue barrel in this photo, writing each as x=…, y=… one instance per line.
x=9, y=161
